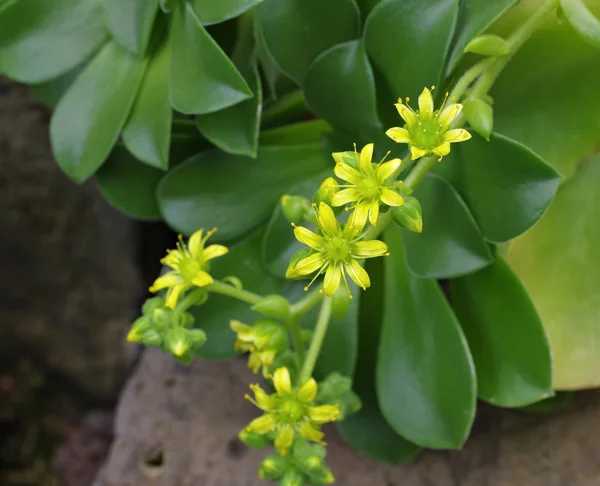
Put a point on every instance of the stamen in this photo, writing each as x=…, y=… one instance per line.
x=384, y=157
x=346, y=282
x=316, y=276
x=432, y=87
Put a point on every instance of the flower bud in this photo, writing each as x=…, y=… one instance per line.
x=198, y=337
x=299, y=255
x=255, y=440
x=274, y=306
x=488, y=45
x=138, y=328
x=272, y=468
x=294, y=208
x=151, y=304
x=186, y=320
x=292, y=478
x=340, y=303
x=338, y=389
x=323, y=476
x=326, y=191
x=270, y=335
x=152, y=338
x=346, y=158
x=178, y=341
x=311, y=464
x=161, y=318
x=480, y=116
x=409, y=215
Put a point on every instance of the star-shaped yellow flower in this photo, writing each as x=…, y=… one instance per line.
x=189, y=266
x=367, y=184
x=428, y=130
x=337, y=251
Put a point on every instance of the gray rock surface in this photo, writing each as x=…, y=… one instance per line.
x=177, y=426
x=69, y=285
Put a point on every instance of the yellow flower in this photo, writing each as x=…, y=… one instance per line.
x=336, y=252
x=367, y=184
x=189, y=266
x=290, y=412
x=428, y=130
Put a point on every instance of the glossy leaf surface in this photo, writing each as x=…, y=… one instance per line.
x=130, y=22
x=213, y=12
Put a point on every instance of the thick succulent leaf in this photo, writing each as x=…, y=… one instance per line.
x=559, y=263
x=408, y=42
x=215, y=11
x=506, y=186
x=451, y=243
x=340, y=87
x=425, y=373
x=297, y=31
x=130, y=22
x=506, y=337
x=90, y=116
x=41, y=39
x=233, y=192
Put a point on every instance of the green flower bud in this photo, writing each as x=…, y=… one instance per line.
x=480, y=116
x=255, y=440
x=274, y=306
x=299, y=255
x=323, y=476
x=138, y=328
x=152, y=338
x=272, y=468
x=292, y=478
x=326, y=191
x=198, y=337
x=161, y=318
x=151, y=304
x=178, y=341
x=409, y=215
x=311, y=464
x=186, y=320
x=488, y=45
x=338, y=389
x=270, y=335
x=294, y=208
x=340, y=303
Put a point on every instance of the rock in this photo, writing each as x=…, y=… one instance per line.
x=70, y=284
x=178, y=426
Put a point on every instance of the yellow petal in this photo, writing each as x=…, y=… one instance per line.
x=360, y=215
x=327, y=220
x=308, y=391
x=456, y=135
x=285, y=437
x=264, y=424
x=425, y=103
x=345, y=196
x=347, y=173
x=306, y=236
x=282, y=381
x=169, y=279
x=391, y=198
x=358, y=274
x=173, y=295
x=369, y=249
x=366, y=154
x=387, y=169
x=448, y=114
x=407, y=114
x=239, y=327
x=323, y=414
x=351, y=229
x=417, y=152
x=264, y=401
x=307, y=430
x=374, y=212
x=443, y=149
x=332, y=279
x=399, y=135
x=173, y=258
x=214, y=251
x=195, y=243
x=308, y=265
x=202, y=279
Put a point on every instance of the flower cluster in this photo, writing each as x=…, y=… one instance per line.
x=264, y=341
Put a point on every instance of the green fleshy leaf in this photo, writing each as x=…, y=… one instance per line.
x=366, y=6
x=450, y=243
x=203, y=78
x=425, y=374
x=559, y=263
x=147, y=133
x=90, y=116
x=505, y=335
x=410, y=37
x=297, y=31
x=474, y=17
x=295, y=134
x=367, y=431
x=582, y=20
x=208, y=189
x=243, y=261
x=214, y=12
x=549, y=405
x=235, y=129
x=50, y=92
x=551, y=107
x=129, y=185
x=130, y=22
x=340, y=87
x=41, y=39
x=506, y=186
